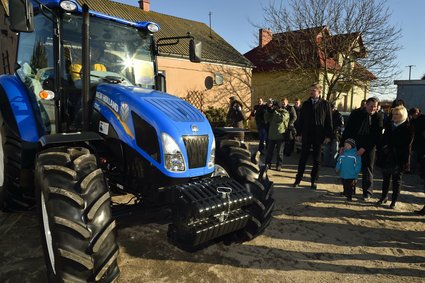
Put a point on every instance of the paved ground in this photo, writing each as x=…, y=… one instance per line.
x=315, y=236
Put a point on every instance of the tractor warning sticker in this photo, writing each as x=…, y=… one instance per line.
x=103, y=127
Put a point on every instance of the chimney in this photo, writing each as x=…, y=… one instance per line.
x=265, y=36
x=145, y=5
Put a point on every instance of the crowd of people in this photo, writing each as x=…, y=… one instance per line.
x=392, y=141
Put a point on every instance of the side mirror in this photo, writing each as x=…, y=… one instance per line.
x=195, y=51
x=21, y=16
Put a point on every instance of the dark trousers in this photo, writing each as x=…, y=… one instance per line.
x=395, y=176
x=306, y=145
x=270, y=148
x=262, y=136
x=368, y=162
x=349, y=186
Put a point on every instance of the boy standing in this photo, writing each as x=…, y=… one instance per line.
x=349, y=165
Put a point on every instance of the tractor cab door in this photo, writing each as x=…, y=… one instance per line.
x=35, y=60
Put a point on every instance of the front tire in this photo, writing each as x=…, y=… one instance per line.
x=78, y=231
x=235, y=159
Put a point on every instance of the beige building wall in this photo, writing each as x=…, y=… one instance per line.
x=350, y=97
x=278, y=85
x=183, y=76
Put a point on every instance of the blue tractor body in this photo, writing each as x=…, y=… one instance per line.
x=121, y=106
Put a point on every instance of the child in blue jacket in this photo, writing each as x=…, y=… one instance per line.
x=348, y=165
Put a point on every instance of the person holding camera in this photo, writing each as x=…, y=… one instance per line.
x=277, y=118
x=235, y=117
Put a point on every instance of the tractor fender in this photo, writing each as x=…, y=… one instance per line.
x=17, y=109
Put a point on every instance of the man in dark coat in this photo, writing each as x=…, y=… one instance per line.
x=258, y=113
x=330, y=149
x=418, y=123
x=290, y=133
x=365, y=126
x=314, y=129
x=417, y=120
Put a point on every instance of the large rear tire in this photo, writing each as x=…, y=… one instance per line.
x=234, y=159
x=78, y=231
x=13, y=195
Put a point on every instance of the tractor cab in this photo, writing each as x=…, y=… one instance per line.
x=51, y=65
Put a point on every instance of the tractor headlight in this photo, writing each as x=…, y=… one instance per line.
x=211, y=160
x=173, y=157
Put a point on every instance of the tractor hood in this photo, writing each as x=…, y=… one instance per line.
x=144, y=118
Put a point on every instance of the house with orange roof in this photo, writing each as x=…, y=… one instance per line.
x=287, y=63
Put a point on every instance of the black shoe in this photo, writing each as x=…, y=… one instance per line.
x=349, y=199
x=313, y=186
x=366, y=198
x=381, y=201
x=279, y=168
x=392, y=205
x=296, y=184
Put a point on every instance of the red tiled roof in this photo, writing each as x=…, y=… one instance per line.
x=273, y=57
x=305, y=46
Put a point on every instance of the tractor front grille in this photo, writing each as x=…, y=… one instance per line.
x=197, y=150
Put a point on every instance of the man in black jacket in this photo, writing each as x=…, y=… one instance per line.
x=365, y=126
x=314, y=129
x=289, y=135
x=330, y=149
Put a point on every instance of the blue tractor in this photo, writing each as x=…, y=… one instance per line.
x=85, y=114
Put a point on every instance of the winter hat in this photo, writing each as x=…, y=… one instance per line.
x=277, y=104
x=351, y=142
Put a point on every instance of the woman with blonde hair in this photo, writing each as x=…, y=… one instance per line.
x=396, y=146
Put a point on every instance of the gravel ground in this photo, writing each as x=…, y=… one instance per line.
x=315, y=235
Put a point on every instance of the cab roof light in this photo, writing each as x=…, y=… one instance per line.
x=68, y=6
x=153, y=27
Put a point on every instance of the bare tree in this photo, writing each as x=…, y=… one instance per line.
x=347, y=41
x=236, y=81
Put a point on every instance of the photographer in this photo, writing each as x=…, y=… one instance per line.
x=277, y=118
x=235, y=117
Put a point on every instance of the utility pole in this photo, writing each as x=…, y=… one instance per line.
x=410, y=69
x=210, y=14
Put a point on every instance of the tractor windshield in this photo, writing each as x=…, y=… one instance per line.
x=118, y=53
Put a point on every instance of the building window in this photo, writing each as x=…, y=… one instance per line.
x=218, y=79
